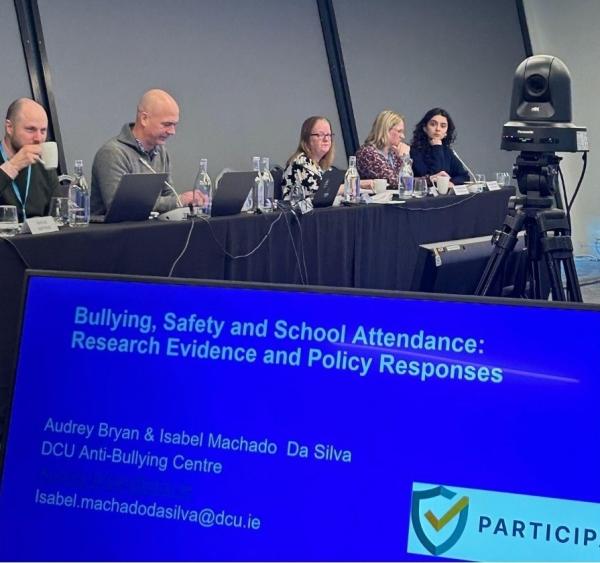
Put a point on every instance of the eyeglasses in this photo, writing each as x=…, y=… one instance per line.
x=323, y=135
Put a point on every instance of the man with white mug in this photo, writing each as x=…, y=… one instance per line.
x=24, y=181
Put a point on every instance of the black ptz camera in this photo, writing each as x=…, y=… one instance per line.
x=540, y=109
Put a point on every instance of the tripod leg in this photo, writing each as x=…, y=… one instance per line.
x=573, y=288
x=554, y=271
x=504, y=242
x=533, y=282
x=558, y=251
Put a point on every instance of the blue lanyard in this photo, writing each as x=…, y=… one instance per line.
x=14, y=184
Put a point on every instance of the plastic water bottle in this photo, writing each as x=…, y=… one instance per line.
x=203, y=186
x=352, y=182
x=268, y=186
x=79, y=199
x=406, y=179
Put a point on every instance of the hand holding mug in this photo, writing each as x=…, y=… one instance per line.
x=367, y=184
x=441, y=183
x=26, y=155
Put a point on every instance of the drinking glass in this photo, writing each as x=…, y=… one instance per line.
x=59, y=210
x=9, y=221
x=503, y=178
x=477, y=186
x=421, y=187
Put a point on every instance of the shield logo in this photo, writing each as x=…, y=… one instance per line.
x=440, y=541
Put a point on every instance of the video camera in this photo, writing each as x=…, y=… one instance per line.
x=540, y=111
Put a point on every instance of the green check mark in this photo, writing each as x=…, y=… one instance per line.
x=454, y=510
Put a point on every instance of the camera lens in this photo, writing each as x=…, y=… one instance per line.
x=536, y=85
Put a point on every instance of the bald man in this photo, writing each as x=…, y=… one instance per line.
x=24, y=182
x=139, y=147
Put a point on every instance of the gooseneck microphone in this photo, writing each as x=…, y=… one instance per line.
x=179, y=204
x=464, y=164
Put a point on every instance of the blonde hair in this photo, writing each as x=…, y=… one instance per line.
x=304, y=144
x=381, y=126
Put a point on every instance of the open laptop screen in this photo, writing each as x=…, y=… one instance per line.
x=135, y=197
x=156, y=420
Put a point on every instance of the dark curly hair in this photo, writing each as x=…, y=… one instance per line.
x=420, y=139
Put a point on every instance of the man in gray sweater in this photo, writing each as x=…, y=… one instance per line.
x=138, y=149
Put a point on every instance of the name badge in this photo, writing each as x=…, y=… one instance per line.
x=39, y=225
x=461, y=190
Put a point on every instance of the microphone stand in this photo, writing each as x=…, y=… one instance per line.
x=179, y=204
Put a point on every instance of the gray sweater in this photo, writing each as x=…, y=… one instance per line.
x=121, y=155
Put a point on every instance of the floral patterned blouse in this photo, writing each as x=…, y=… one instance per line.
x=372, y=163
x=302, y=173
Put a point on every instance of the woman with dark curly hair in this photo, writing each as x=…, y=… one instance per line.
x=430, y=148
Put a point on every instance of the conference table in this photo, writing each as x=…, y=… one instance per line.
x=368, y=246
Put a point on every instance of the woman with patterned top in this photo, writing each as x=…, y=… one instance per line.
x=314, y=155
x=379, y=156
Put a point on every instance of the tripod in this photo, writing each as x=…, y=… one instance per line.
x=547, y=236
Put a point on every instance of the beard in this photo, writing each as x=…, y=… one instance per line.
x=12, y=144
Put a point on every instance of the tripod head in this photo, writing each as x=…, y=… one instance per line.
x=536, y=173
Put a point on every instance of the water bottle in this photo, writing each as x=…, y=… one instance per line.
x=406, y=178
x=268, y=186
x=352, y=182
x=256, y=194
x=79, y=199
x=258, y=190
x=203, y=185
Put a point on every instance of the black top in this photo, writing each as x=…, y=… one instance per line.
x=434, y=159
x=43, y=185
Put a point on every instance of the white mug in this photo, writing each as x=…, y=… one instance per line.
x=379, y=185
x=442, y=184
x=49, y=155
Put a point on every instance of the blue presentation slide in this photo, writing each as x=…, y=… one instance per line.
x=169, y=421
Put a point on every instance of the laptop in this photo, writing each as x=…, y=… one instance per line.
x=330, y=184
x=231, y=193
x=135, y=198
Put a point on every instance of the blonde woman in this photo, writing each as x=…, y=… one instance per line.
x=379, y=156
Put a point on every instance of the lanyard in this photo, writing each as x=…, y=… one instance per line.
x=15, y=187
